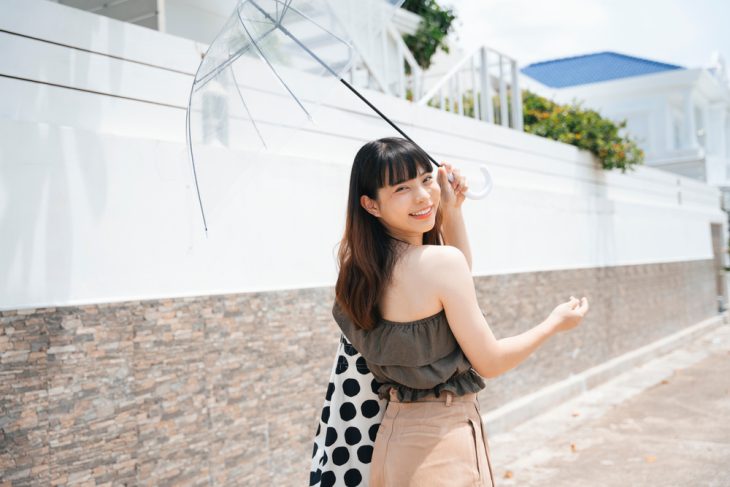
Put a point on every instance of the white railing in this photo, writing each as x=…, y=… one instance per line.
x=386, y=71
x=468, y=88
x=483, y=85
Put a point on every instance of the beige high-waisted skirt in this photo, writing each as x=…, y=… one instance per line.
x=431, y=442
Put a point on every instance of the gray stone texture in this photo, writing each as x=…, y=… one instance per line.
x=227, y=390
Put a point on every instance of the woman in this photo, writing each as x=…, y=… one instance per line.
x=405, y=299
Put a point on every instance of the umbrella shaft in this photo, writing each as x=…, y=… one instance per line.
x=382, y=115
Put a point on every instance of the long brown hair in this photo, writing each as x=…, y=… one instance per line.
x=366, y=254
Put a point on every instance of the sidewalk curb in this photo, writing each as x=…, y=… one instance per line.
x=513, y=413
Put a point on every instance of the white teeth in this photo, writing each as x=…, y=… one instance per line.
x=422, y=212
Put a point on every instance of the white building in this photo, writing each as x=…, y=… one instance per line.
x=679, y=116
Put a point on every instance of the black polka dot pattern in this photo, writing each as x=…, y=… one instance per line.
x=365, y=453
x=328, y=479
x=340, y=455
x=348, y=411
x=374, y=386
x=350, y=350
x=351, y=387
x=348, y=423
x=373, y=432
x=342, y=365
x=352, y=436
x=370, y=408
x=362, y=366
x=331, y=436
x=353, y=477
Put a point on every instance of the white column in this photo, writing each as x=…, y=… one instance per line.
x=503, y=120
x=517, y=121
x=690, y=132
x=487, y=111
x=727, y=133
x=161, y=16
x=665, y=131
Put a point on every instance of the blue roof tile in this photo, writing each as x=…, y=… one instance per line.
x=592, y=68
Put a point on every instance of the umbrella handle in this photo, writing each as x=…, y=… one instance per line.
x=477, y=195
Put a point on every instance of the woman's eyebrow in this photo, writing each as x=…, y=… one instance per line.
x=419, y=175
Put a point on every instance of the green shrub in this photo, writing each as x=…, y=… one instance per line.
x=571, y=124
x=582, y=128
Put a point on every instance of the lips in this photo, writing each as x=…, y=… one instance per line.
x=428, y=210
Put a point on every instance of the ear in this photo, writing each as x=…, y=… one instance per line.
x=370, y=205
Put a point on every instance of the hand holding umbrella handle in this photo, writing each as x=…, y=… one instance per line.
x=477, y=195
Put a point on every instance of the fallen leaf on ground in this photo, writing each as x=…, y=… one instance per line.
x=508, y=474
x=573, y=448
x=650, y=458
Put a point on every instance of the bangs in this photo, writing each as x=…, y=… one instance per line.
x=399, y=164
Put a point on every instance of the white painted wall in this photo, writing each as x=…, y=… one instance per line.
x=97, y=202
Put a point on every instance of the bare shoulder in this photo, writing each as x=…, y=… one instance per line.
x=439, y=258
x=435, y=264
x=431, y=256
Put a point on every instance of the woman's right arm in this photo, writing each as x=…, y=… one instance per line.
x=488, y=356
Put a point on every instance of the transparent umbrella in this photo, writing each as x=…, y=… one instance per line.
x=237, y=110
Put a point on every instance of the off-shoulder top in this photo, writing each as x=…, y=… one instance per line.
x=418, y=358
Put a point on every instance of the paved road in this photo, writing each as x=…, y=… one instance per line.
x=666, y=423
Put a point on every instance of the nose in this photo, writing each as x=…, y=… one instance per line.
x=422, y=193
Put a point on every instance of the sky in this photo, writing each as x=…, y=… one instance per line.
x=682, y=32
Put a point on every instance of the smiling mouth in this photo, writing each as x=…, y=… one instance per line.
x=425, y=213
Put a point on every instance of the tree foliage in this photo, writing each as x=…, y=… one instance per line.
x=432, y=31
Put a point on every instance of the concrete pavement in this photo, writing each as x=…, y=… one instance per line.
x=664, y=423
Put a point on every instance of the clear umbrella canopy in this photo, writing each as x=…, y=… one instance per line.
x=262, y=79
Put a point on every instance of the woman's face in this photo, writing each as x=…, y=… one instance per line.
x=397, y=207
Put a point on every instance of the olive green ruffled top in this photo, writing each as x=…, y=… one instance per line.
x=418, y=358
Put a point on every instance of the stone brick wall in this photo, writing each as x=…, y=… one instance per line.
x=226, y=390
x=630, y=306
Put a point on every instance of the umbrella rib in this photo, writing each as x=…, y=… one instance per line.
x=309, y=116
x=284, y=9
x=299, y=43
x=255, y=126
x=205, y=79
x=189, y=142
x=320, y=26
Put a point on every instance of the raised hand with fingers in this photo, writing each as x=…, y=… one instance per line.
x=569, y=314
x=453, y=193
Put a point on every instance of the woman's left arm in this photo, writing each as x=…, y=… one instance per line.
x=454, y=231
x=452, y=197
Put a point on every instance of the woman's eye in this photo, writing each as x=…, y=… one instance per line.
x=428, y=178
